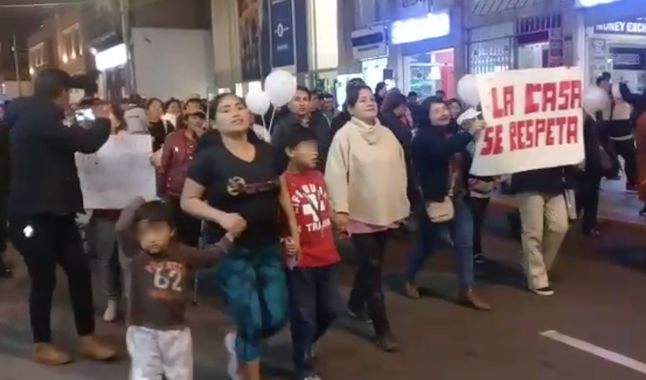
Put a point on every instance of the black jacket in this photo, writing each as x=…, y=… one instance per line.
x=432, y=151
x=44, y=179
x=549, y=181
x=5, y=172
x=339, y=121
x=592, y=146
x=318, y=123
x=403, y=135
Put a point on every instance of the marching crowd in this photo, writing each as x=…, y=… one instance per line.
x=263, y=204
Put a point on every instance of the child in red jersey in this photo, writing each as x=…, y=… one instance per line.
x=311, y=277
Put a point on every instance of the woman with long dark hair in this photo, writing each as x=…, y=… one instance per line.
x=233, y=186
x=157, y=127
x=442, y=163
x=102, y=239
x=366, y=180
x=380, y=94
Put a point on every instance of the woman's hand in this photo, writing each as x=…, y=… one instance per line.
x=342, y=223
x=233, y=223
x=293, y=246
x=477, y=126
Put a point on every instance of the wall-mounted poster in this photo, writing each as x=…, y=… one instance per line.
x=250, y=21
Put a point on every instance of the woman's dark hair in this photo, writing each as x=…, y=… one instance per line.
x=453, y=100
x=422, y=112
x=117, y=111
x=155, y=212
x=380, y=86
x=150, y=102
x=171, y=101
x=213, y=137
x=392, y=101
x=353, y=95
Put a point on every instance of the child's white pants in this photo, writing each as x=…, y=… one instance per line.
x=157, y=353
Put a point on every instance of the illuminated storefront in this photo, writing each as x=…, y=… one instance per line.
x=427, y=56
x=615, y=40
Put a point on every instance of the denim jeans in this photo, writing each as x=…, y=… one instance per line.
x=314, y=304
x=254, y=285
x=461, y=231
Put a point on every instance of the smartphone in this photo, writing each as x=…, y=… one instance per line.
x=84, y=115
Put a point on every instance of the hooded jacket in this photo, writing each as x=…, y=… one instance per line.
x=44, y=178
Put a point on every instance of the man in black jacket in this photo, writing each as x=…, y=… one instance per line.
x=44, y=197
x=4, y=189
x=300, y=116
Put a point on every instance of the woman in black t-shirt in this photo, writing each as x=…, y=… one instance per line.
x=233, y=186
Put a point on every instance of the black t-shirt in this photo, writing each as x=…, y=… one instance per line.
x=250, y=189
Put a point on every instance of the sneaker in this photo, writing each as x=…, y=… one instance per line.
x=387, y=342
x=4, y=271
x=359, y=315
x=92, y=348
x=545, y=291
x=411, y=291
x=631, y=188
x=233, y=368
x=48, y=354
x=479, y=258
x=110, y=314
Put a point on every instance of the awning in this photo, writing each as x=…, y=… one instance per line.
x=485, y=7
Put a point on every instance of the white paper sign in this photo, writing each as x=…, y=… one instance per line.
x=118, y=173
x=534, y=121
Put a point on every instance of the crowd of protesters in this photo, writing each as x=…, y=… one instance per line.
x=223, y=181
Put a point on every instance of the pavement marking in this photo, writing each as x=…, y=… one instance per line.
x=596, y=350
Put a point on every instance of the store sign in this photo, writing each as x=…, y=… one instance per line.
x=592, y=3
x=628, y=59
x=369, y=43
x=112, y=57
x=534, y=121
x=282, y=40
x=433, y=25
x=637, y=27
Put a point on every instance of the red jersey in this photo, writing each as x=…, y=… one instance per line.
x=310, y=201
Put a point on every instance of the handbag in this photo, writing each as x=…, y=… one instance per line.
x=570, y=204
x=442, y=212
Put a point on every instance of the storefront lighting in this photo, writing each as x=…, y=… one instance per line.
x=421, y=28
x=112, y=57
x=592, y=3
x=65, y=58
x=31, y=70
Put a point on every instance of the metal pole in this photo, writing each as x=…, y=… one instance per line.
x=17, y=64
x=125, y=31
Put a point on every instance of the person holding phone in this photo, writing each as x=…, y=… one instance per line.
x=44, y=197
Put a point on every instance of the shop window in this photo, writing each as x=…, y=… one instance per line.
x=72, y=48
x=428, y=72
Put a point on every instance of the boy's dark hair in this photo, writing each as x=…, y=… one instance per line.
x=412, y=93
x=156, y=212
x=602, y=79
x=50, y=83
x=305, y=90
x=298, y=134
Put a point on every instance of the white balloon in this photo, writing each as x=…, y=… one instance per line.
x=257, y=102
x=280, y=87
x=595, y=99
x=468, y=90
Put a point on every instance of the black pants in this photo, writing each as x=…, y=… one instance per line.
x=587, y=199
x=314, y=304
x=367, y=288
x=626, y=149
x=188, y=228
x=45, y=241
x=479, y=210
x=3, y=224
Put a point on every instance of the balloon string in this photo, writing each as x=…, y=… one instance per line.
x=271, y=121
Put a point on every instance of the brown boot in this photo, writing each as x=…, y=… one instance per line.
x=469, y=298
x=92, y=348
x=46, y=353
